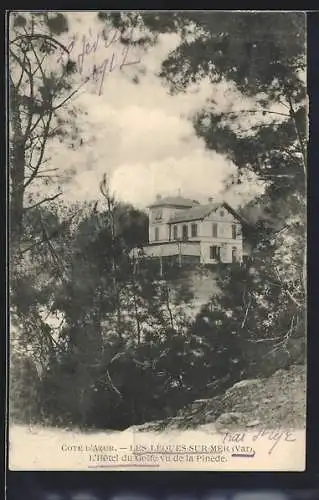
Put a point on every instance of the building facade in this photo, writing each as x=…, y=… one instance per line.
x=184, y=230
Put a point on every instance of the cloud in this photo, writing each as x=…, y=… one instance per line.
x=139, y=134
x=197, y=175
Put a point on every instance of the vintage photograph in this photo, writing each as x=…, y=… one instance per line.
x=157, y=240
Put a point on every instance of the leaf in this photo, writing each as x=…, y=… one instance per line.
x=58, y=24
x=70, y=67
x=19, y=21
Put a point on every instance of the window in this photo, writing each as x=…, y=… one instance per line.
x=185, y=232
x=156, y=234
x=221, y=213
x=158, y=215
x=234, y=254
x=214, y=253
x=194, y=230
x=175, y=232
x=234, y=231
x=215, y=230
x=246, y=260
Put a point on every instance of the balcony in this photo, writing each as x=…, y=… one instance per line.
x=173, y=248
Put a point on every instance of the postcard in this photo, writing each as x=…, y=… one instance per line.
x=157, y=209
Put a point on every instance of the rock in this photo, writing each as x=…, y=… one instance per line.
x=231, y=419
x=199, y=403
x=147, y=427
x=253, y=423
x=209, y=418
x=209, y=427
x=268, y=402
x=280, y=373
x=244, y=383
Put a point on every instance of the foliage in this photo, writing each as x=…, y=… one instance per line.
x=24, y=390
x=262, y=55
x=109, y=341
x=40, y=90
x=108, y=370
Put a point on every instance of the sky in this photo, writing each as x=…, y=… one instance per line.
x=138, y=133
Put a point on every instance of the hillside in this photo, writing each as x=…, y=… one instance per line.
x=200, y=281
x=277, y=401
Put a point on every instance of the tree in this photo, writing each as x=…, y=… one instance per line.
x=35, y=277
x=87, y=363
x=126, y=345
x=263, y=56
x=257, y=318
x=40, y=112
x=39, y=95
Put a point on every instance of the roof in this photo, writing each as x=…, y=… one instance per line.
x=195, y=213
x=199, y=212
x=174, y=201
x=239, y=214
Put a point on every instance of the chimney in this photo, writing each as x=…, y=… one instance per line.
x=210, y=199
x=158, y=197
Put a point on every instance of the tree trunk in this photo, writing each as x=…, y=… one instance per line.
x=168, y=305
x=17, y=166
x=137, y=319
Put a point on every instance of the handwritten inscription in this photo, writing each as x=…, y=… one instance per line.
x=273, y=436
x=84, y=50
x=276, y=437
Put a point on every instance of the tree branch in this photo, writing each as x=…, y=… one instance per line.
x=254, y=111
x=51, y=236
x=21, y=64
x=256, y=341
x=58, y=106
x=22, y=71
x=112, y=385
x=283, y=342
x=29, y=122
x=42, y=149
x=246, y=314
x=300, y=139
x=38, y=36
x=49, y=198
x=292, y=298
x=60, y=266
x=39, y=63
